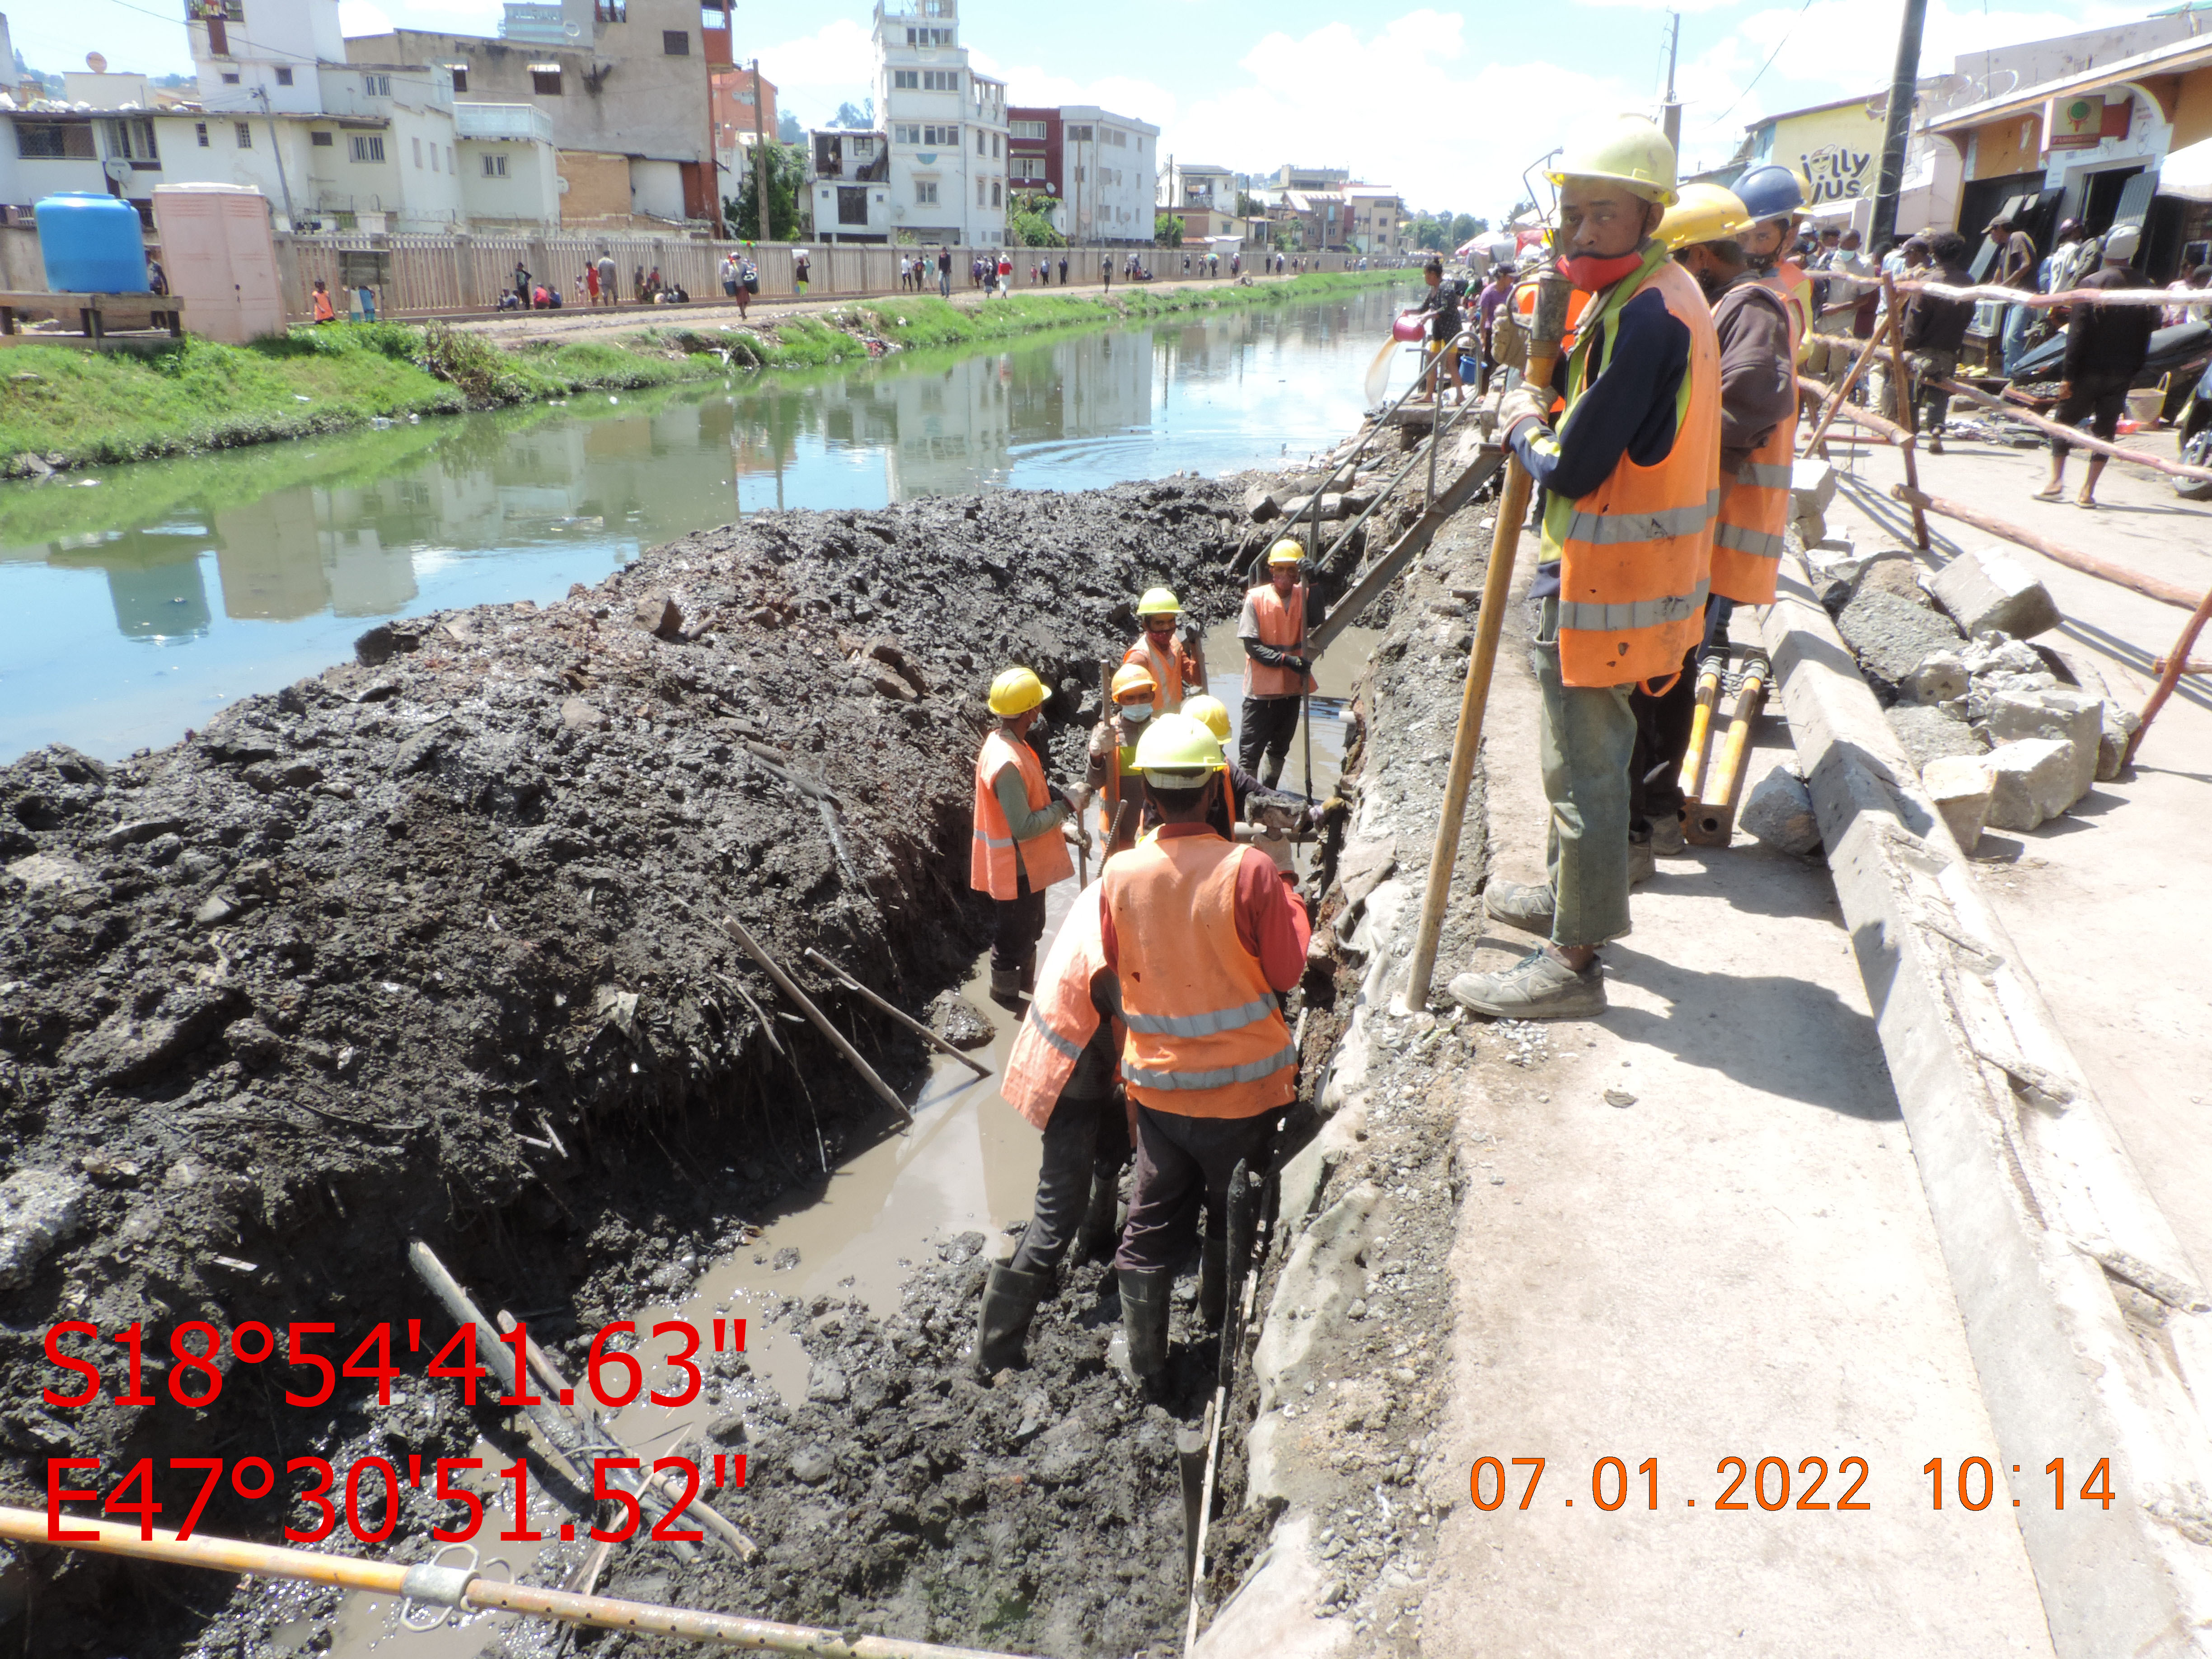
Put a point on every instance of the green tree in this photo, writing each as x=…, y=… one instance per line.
x=1431, y=231
x=1466, y=225
x=788, y=130
x=1167, y=230
x=1025, y=217
x=1246, y=207
x=787, y=184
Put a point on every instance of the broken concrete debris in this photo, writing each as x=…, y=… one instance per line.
x=1778, y=811
x=2032, y=782
x=2068, y=717
x=1990, y=591
x=1961, y=786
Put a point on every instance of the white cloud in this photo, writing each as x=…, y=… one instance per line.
x=815, y=73
x=359, y=17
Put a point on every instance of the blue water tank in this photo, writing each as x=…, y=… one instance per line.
x=91, y=244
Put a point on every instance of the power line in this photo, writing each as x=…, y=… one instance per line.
x=1763, y=68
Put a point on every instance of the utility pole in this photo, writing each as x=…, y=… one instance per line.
x=1670, y=111
x=1898, y=131
x=760, y=160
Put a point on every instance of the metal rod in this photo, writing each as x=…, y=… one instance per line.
x=1714, y=825
x=1907, y=404
x=2073, y=436
x=2151, y=588
x=785, y=983
x=1701, y=720
x=1385, y=568
x=1546, y=327
x=1237, y=1246
x=897, y=1013
x=391, y=1578
x=2176, y=663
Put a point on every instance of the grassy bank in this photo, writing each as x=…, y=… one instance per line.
x=68, y=407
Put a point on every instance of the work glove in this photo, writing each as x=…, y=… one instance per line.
x=1520, y=403
x=1332, y=810
x=1077, y=797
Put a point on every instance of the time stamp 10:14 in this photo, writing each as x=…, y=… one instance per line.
x=1771, y=1484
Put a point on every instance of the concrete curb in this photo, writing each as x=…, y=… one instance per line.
x=2090, y=1336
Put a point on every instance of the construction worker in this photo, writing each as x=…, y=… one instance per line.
x=1773, y=196
x=1018, y=849
x=1241, y=792
x=1114, y=756
x=1175, y=670
x=1759, y=437
x=1272, y=627
x=1631, y=477
x=1203, y=934
x=1063, y=1078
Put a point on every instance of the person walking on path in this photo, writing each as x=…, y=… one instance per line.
x=1631, y=478
x=1933, y=331
x=1106, y=270
x=1063, y=1078
x=1174, y=669
x=1018, y=850
x=324, y=311
x=1063, y=270
x=726, y=273
x=2105, y=347
x=605, y=271
x=1271, y=628
x=1910, y=260
x=2015, y=268
x=592, y=284
x=1203, y=935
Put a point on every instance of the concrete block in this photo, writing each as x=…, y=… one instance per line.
x=1810, y=524
x=2119, y=726
x=1940, y=678
x=1778, y=811
x=1260, y=504
x=2031, y=781
x=1989, y=590
x=2069, y=717
x=1930, y=733
x=1960, y=786
x=1893, y=637
x=1891, y=571
x=1812, y=484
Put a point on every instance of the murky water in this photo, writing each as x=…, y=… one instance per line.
x=136, y=601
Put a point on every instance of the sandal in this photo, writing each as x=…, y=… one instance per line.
x=2084, y=502
x=2056, y=492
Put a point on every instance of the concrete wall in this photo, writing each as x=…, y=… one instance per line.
x=656, y=188
x=529, y=192
x=599, y=186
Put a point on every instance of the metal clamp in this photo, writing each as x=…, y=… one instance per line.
x=428, y=1588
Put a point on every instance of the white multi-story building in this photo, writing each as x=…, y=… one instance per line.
x=947, y=127
x=1111, y=164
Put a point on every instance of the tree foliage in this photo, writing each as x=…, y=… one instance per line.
x=787, y=185
x=1026, y=219
x=1167, y=230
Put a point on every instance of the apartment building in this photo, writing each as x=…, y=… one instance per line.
x=1103, y=167
x=1205, y=199
x=1375, y=219
x=947, y=127
x=848, y=176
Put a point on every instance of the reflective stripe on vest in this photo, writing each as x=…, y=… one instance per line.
x=1063, y=1018
x=1282, y=625
x=1636, y=553
x=1205, y=1034
x=1754, y=503
x=1765, y=476
x=1752, y=543
x=991, y=860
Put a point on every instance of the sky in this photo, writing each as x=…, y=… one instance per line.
x=1450, y=107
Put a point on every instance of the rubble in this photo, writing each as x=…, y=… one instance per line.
x=2069, y=717
x=1778, y=811
x=1893, y=637
x=1990, y=591
x=1961, y=786
x=2031, y=781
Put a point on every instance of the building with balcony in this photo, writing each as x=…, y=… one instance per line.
x=947, y=127
x=1109, y=181
x=1205, y=199
x=848, y=180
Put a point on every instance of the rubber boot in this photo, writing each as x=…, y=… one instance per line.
x=1271, y=769
x=1010, y=1295
x=1144, y=1322
x=1029, y=972
x=1006, y=987
x=1097, y=1236
x=1212, y=1281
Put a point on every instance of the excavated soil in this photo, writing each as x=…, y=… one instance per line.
x=428, y=946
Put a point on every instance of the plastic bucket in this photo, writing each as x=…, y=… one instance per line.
x=1409, y=328
x=2143, y=405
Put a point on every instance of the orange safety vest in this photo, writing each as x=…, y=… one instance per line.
x=1636, y=553
x=1283, y=625
x=1754, y=509
x=1788, y=282
x=1063, y=1018
x=991, y=862
x=1206, y=1037
x=1524, y=309
x=1166, y=671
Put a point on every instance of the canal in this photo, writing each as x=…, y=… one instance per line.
x=136, y=601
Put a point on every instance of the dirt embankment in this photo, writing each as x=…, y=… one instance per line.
x=426, y=945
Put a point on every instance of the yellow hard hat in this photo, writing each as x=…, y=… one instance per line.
x=1629, y=150
x=1174, y=747
x=1704, y=213
x=1158, y=602
x=1132, y=677
x=1015, y=691
x=1211, y=712
x=1287, y=552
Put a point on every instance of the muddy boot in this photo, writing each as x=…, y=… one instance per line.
x=1029, y=972
x=1006, y=987
x=1097, y=1234
x=1010, y=1295
x=1145, y=1323
x=1271, y=769
x=1212, y=1281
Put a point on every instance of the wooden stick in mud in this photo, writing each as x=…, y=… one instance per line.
x=897, y=1013
x=785, y=983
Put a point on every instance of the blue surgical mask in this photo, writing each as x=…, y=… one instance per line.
x=1136, y=711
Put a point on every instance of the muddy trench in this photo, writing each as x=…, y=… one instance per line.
x=428, y=946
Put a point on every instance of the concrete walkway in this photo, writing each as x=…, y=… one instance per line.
x=1739, y=1264
x=2109, y=904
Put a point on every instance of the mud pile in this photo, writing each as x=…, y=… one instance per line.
x=429, y=945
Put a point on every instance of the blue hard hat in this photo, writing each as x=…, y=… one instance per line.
x=1769, y=191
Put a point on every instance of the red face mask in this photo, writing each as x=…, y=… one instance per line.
x=1593, y=274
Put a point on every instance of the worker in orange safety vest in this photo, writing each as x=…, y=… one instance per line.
x=1202, y=934
x=1271, y=628
x=1174, y=669
x=1114, y=758
x=1018, y=849
x=1632, y=480
x=1063, y=1078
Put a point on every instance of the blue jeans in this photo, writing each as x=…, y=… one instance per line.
x=2018, y=320
x=1585, y=739
x=945, y=284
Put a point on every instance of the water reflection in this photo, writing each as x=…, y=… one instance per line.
x=242, y=571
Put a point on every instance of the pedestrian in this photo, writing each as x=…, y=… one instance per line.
x=2105, y=348
x=1910, y=259
x=1006, y=272
x=1438, y=309
x=521, y=278
x=592, y=283
x=1174, y=669
x=1106, y=272
x=1630, y=476
x=726, y=273
x=802, y=269
x=945, y=273
x=1495, y=293
x=2065, y=262
x=1111, y=773
x=1934, y=330
x=2015, y=268
x=1063, y=270
x=1758, y=433
x=906, y=273
x=157, y=280
x=367, y=297
x=1018, y=850
x=323, y=311
x=1063, y=1076
x=1271, y=628
x=605, y=271
x=1186, y=264
x=1203, y=936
